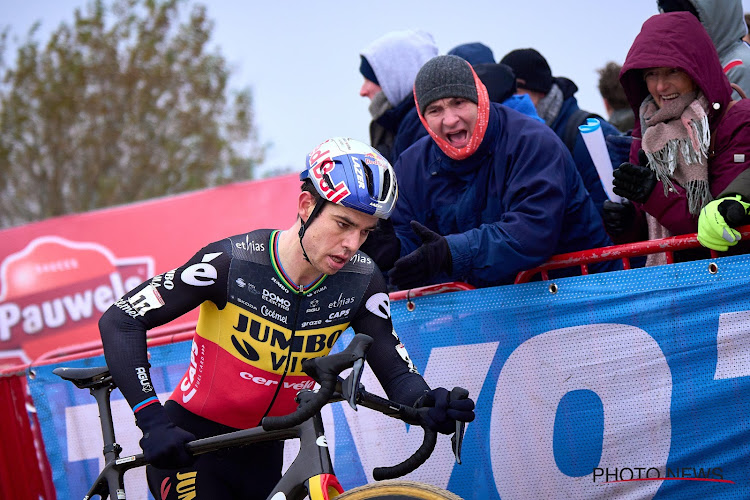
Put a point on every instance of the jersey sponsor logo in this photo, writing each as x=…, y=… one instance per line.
x=315, y=322
x=341, y=302
x=190, y=383
x=358, y=258
x=168, y=280
x=314, y=306
x=250, y=245
x=337, y=315
x=279, y=284
x=401, y=350
x=202, y=273
x=142, y=302
x=265, y=344
x=380, y=305
x=273, y=314
x=321, y=289
x=143, y=378
x=245, y=303
x=274, y=299
x=186, y=485
x=297, y=386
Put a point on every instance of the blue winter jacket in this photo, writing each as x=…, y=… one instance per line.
x=403, y=122
x=509, y=207
x=581, y=155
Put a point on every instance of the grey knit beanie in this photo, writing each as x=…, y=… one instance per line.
x=444, y=76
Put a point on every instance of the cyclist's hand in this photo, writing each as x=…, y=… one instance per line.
x=718, y=218
x=163, y=443
x=444, y=411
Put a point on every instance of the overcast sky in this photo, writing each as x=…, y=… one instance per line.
x=301, y=59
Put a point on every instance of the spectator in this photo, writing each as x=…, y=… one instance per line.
x=670, y=84
x=725, y=25
x=618, y=109
x=389, y=65
x=556, y=104
x=475, y=53
x=499, y=79
x=491, y=192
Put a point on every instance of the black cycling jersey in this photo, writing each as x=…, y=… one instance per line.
x=255, y=329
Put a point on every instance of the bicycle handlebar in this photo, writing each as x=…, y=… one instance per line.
x=325, y=371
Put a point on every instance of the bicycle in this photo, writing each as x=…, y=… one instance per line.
x=311, y=474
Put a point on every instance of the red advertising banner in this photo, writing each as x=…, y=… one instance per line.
x=59, y=275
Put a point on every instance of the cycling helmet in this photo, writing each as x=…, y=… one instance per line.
x=352, y=174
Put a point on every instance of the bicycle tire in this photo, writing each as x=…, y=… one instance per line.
x=398, y=490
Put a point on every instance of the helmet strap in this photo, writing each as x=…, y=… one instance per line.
x=305, y=224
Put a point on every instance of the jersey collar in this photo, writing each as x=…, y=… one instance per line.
x=283, y=276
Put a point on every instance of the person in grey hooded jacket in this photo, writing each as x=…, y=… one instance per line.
x=389, y=65
x=725, y=23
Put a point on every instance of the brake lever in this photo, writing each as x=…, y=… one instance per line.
x=350, y=386
x=457, y=440
x=458, y=437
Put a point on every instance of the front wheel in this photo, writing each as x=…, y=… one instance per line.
x=398, y=490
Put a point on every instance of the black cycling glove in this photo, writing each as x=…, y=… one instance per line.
x=163, y=443
x=445, y=409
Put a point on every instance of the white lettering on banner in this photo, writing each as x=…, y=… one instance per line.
x=56, y=312
x=733, y=356
x=626, y=369
x=459, y=365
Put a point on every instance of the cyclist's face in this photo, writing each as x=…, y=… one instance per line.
x=335, y=236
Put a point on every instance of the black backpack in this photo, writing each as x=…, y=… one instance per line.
x=578, y=117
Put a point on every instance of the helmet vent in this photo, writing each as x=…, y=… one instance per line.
x=368, y=178
x=327, y=179
x=386, y=185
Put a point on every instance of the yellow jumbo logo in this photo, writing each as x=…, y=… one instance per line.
x=262, y=343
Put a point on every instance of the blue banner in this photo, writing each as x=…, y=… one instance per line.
x=632, y=384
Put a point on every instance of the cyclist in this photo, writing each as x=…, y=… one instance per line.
x=268, y=300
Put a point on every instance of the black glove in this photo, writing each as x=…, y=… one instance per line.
x=445, y=408
x=734, y=213
x=416, y=269
x=634, y=182
x=382, y=245
x=163, y=443
x=618, y=217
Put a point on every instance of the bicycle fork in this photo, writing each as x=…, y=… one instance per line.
x=311, y=473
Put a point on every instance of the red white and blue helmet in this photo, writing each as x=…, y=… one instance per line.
x=354, y=175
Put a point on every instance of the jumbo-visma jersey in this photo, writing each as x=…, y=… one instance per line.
x=254, y=330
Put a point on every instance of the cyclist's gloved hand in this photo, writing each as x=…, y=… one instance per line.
x=618, y=217
x=634, y=182
x=717, y=219
x=430, y=259
x=444, y=410
x=163, y=443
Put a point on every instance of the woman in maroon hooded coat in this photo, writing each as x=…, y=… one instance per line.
x=689, y=142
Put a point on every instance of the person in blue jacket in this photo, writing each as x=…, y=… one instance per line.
x=554, y=98
x=489, y=193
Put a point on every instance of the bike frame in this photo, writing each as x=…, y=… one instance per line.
x=311, y=473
